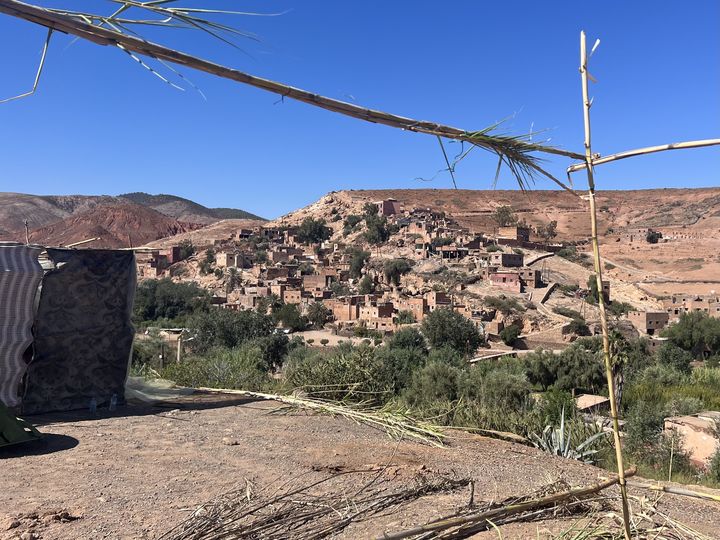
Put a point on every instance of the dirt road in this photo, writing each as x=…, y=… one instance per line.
x=140, y=472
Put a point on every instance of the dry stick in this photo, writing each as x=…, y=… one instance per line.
x=505, y=511
x=104, y=36
x=601, y=298
x=644, y=151
x=677, y=491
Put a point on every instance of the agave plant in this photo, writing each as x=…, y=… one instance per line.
x=558, y=440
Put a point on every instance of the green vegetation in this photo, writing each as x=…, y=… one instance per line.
x=358, y=258
x=405, y=317
x=166, y=303
x=318, y=314
x=547, y=231
x=653, y=237
x=289, y=316
x=697, y=333
x=509, y=334
x=227, y=328
x=493, y=248
x=187, y=249
x=313, y=231
x=206, y=265
x=446, y=328
x=503, y=304
x=366, y=285
x=394, y=269
x=567, y=312
x=505, y=216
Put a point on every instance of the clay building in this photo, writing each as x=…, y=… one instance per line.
x=649, y=322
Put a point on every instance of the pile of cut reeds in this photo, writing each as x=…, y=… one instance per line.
x=313, y=511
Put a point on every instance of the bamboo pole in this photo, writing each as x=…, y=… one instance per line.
x=644, y=151
x=505, y=511
x=598, y=278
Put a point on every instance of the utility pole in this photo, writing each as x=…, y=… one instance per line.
x=587, y=103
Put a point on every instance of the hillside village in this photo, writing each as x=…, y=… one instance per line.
x=376, y=265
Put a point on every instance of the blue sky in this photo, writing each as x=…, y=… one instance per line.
x=101, y=124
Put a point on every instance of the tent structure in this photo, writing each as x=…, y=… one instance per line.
x=83, y=333
x=20, y=275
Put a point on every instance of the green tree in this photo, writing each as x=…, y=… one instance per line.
x=227, y=328
x=358, y=258
x=407, y=338
x=653, y=237
x=377, y=231
x=290, y=317
x=366, y=285
x=405, y=317
x=672, y=356
x=505, y=216
x=444, y=327
x=206, y=265
x=186, y=249
x=547, y=231
x=165, y=299
x=433, y=383
x=313, y=231
x=232, y=280
x=394, y=269
x=697, y=333
x=509, y=334
x=318, y=314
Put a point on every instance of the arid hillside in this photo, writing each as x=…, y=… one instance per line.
x=43, y=210
x=115, y=225
x=693, y=209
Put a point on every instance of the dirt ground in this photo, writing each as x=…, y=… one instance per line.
x=141, y=471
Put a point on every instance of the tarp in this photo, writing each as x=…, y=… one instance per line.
x=83, y=333
x=20, y=274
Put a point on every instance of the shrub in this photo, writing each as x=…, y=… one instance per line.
x=713, y=472
x=567, y=312
x=366, y=285
x=505, y=305
x=674, y=357
x=579, y=327
x=394, y=268
x=164, y=299
x=318, y=314
x=351, y=372
x=697, y=333
x=324, y=342
x=313, y=231
x=509, y=334
x=405, y=317
x=493, y=248
x=618, y=309
x=433, y=383
x=505, y=216
x=407, y=338
x=504, y=389
x=444, y=327
x=227, y=328
x=186, y=249
x=243, y=368
x=358, y=258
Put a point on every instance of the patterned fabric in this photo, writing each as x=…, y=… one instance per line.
x=83, y=333
x=20, y=274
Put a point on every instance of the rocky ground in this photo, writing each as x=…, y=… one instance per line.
x=141, y=471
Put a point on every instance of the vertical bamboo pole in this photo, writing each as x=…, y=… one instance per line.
x=601, y=298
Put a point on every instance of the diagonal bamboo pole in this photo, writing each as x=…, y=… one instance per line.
x=598, y=277
x=105, y=36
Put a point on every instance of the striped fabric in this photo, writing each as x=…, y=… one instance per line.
x=20, y=275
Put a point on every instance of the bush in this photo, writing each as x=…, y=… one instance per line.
x=713, y=472
x=290, y=317
x=407, y=338
x=674, y=357
x=493, y=248
x=164, y=299
x=444, y=327
x=505, y=305
x=504, y=389
x=186, y=249
x=351, y=373
x=227, y=328
x=313, y=231
x=433, y=383
x=394, y=268
x=405, y=317
x=620, y=308
x=242, y=368
x=697, y=333
x=366, y=285
x=579, y=327
x=318, y=314
x=358, y=258
x=509, y=334
x=567, y=312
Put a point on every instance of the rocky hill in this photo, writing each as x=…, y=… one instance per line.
x=185, y=209
x=692, y=209
x=41, y=211
x=114, y=224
